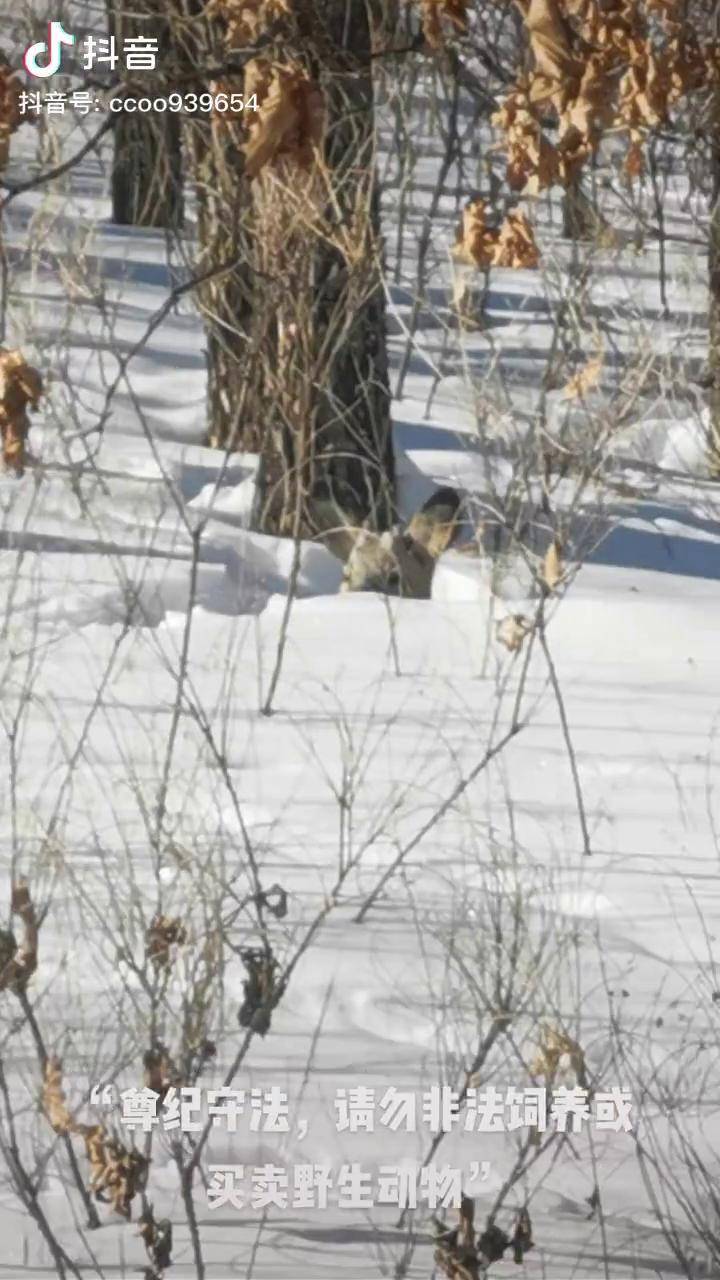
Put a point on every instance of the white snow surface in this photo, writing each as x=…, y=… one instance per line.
x=109, y=597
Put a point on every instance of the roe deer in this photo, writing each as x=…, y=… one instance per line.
x=398, y=562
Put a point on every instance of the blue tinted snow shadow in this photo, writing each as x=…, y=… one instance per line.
x=662, y=553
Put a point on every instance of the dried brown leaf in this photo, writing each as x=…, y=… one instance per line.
x=53, y=1098
x=516, y=245
x=290, y=122
x=512, y=630
x=118, y=1173
x=20, y=390
x=475, y=242
x=592, y=109
x=441, y=16
x=20, y=962
x=533, y=163
x=164, y=933
x=246, y=20
x=634, y=162
x=261, y=989
x=549, y=36
x=558, y=1053
x=160, y=1071
x=457, y=1254
x=600, y=64
x=552, y=570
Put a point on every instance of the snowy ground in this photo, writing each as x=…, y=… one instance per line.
x=105, y=606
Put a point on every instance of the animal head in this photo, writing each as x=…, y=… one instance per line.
x=398, y=562
x=391, y=562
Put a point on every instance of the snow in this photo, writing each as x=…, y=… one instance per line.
x=142, y=623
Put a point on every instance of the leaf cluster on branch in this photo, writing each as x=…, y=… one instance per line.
x=511, y=245
x=289, y=123
x=558, y=1054
x=261, y=989
x=157, y=1236
x=246, y=20
x=20, y=390
x=463, y=1253
x=160, y=1071
x=18, y=962
x=117, y=1174
x=598, y=66
x=164, y=935
x=440, y=17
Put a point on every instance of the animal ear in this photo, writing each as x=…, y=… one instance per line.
x=341, y=540
x=434, y=526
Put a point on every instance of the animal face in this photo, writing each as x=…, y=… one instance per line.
x=371, y=564
x=392, y=563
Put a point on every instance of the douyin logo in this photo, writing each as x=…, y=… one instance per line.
x=50, y=50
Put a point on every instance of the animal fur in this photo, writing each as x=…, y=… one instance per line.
x=399, y=561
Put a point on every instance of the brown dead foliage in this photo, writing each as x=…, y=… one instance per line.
x=20, y=390
x=598, y=65
x=558, y=1054
x=157, y=1236
x=19, y=962
x=516, y=245
x=464, y=1254
x=550, y=41
x=164, y=933
x=511, y=245
x=261, y=990
x=160, y=1072
x=586, y=378
x=552, y=569
x=246, y=20
x=533, y=163
x=441, y=17
x=634, y=162
x=289, y=124
x=512, y=630
x=475, y=241
x=456, y=1252
x=52, y=1098
x=117, y=1173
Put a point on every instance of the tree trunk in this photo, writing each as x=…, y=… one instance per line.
x=714, y=292
x=147, y=172
x=353, y=430
x=147, y=179
x=226, y=298
x=297, y=364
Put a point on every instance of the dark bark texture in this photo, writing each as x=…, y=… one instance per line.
x=147, y=176
x=714, y=290
x=353, y=414
x=327, y=448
